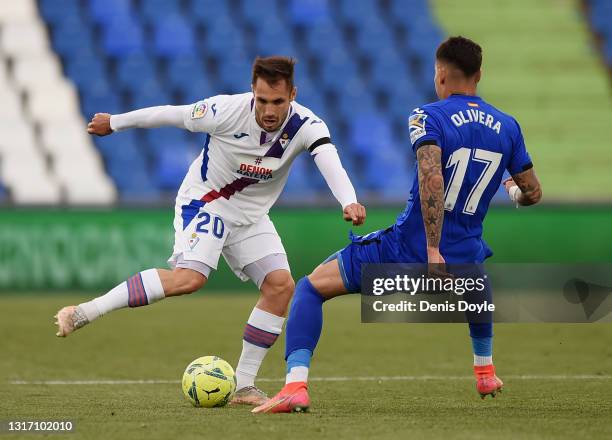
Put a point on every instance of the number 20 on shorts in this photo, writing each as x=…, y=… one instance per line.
x=218, y=228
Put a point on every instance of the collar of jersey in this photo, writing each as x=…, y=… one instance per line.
x=276, y=133
x=459, y=95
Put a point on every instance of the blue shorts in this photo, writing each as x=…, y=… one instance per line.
x=381, y=246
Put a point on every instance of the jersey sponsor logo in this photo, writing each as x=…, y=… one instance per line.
x=416, y=125
x=316, y=121
x=471, y=115
x=240, y=135
x=255, y=171
x=199, y=110
x=214, y=109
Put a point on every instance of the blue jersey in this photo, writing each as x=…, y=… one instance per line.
x=478, y=144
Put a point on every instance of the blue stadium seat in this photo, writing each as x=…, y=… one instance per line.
x=310, y=96
x=356, y=13
x=235, y=74
x=374, y=36
x=150, y=94
x=275, y=39
x=387, y=70
x=355, y=99
x=309, y=12
x=123, y=37
x=187, y=76
x=223, y=36
x=157, y=11
x=370, y=132
x=107, y=11
x=133, y=180
x=100, y=99
x=122, y=145
x=207, y=12
x=171, y=166
x=87, y=72
x=259, y=13
x=324, y=39
x=55, y=11
x=173, y=37
x=339, y=69
x=161, y=139
x=135, y=69
x=406, y=14
x=71, y=37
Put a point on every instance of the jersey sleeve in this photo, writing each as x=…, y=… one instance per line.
x=206, y=115
x=424, y=129
x=316, y=136
x=520, y=160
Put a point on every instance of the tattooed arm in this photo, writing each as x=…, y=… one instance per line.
x=524, y=188
x=431, y=190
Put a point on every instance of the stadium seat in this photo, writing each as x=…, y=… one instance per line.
x=370, y=133
x=223, y=36
x=157, y=12
x=173, y=36
x=57, y=11
x=374, y=36
x=71, y=38
x=134, y=70
x=107, y=11
x=309, y=12
x=323, y=39
x=30, y=71
x=42, y=102
x=100, y=99
x=356, y=13
x=171, y=166
x=275, y=39
x=338, y=70
x=235, y=74
x=261, y=13
x=17, y=11
x=87, y=72
x=123, y=37
x=188, y=76
x=206, y=12
x=21, y=39
x=150, y=94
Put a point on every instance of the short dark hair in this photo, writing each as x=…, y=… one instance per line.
x=462, y=53
x=274, y=69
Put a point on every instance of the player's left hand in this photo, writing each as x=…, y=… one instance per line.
x=509, y=183
x=356, y=213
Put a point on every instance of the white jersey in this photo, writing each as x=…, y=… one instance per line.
x=242, y=169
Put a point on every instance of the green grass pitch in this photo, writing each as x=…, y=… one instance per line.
x=558, y=377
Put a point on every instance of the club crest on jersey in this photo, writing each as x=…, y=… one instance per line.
x=193, y=241
x=416, y=125
x=284, y=140
x=199, y=110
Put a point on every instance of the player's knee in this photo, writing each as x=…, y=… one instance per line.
x=279, y=284
x=187, y=281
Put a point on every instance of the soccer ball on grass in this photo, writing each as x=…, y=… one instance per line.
x=209, y=382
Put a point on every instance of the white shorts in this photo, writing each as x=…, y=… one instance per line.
x=207, y=237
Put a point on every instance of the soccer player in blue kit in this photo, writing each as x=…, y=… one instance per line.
x=463, y=145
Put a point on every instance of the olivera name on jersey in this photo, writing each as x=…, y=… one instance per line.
x=472, y=115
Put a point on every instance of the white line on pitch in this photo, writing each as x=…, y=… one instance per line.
x=315, y=379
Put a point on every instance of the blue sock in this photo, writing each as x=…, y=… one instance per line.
x=303, y=325
x=482, y=343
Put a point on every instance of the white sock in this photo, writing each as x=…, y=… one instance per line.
x=297, y=374
x=480, y=361
x=260, y=333
x=139, y=290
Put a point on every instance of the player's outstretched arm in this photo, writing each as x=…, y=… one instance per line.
x=340, y=185
x=524, y=188
x=103, y=124
x=431, y=190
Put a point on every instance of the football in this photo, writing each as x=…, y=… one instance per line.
x=209, y=382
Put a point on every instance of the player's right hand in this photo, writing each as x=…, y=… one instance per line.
x=100, y=124
x=355, y=212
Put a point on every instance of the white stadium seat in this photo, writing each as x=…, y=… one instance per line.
x=59, y=103
x=17, y=10
x=23, y=38
x=42, y=71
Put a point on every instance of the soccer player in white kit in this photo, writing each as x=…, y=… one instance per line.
x=222, y=205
